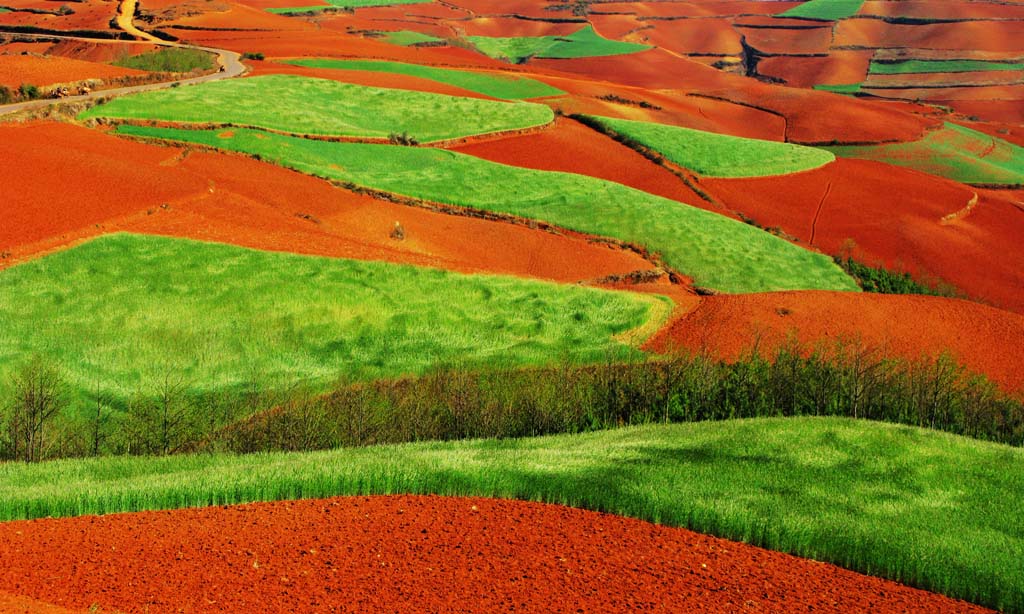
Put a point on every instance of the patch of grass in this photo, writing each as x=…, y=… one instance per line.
x=884, y=281
x=932, y=510
x=509, y=87
x=583, y=43
x=343, y=4
x=933, y=66
x=170, y=59
x=716, y=251
x=304, y=105
x=121, y=312
x=4, y=9
x=407, y=38
x=719, y=155
x=954, y=152
x=846, y=88
x=825, y=10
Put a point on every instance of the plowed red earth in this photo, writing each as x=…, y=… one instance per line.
x=789, y=41
x=838, y=68
x=420, y=554
x=984, y=339
x=999, y=36
x=84, y=189
x=42, y=71
x=854, y=199
x=696, y=36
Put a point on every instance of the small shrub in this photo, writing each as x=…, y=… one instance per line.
x=249, y=55
x=28, y=91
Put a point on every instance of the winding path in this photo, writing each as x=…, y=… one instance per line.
x=229, y=63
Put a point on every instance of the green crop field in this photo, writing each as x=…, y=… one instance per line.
x=953, y=152
x=825, y=10
x=720, y=155
x=932, y=66
x=845, y=88
x=343, y=4
x=930, y=509
x=304, y=105
x=170, y=59
x=406, y=38
x=509, y=87
x=716, y=251
x=120, y=312
x=583, y=43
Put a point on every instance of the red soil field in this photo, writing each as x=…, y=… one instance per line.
x=88, y=15
x=1013, y=93
x=949, y=79
x=617, y=27
x=1010, y=128
x=95, y=51
x=527, y=8
x=84, y=189
x=692, y=36
x=999, y=36
x=573, y=148
x=419, y=554
x=947, y=9
x=703, y=8
x=42, y=71
x=789, y=41
x=894, y=216
x=239, y=16
x=984, y=339
x=509, y=26
x=364, y=27
x=838, y=68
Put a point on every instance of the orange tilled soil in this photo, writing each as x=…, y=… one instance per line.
x=58, y=195
x=42, y=71
x=420, y=554
x=984, y=339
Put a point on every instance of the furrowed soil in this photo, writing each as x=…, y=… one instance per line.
x=984, y=339
x=43, y=71
x=83, y=189
x=418, y=554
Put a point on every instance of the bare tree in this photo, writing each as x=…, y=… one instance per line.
x=38, y=397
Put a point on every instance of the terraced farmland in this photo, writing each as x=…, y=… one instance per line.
x=341, y=4
x=825, y=10
x=508, y=87
x=719, y=155
x=584, y=43
x=211, y=316
x=716, y=251
x=304, y=105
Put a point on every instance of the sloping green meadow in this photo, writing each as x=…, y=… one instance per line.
x=305, y=105
x=584, y=43
x=343, y=4
x=406, y=38
x=825, y=10
x=508, y=87
x=933, y=510
x=716, y=251
x=121, y=312
x=720, y=155
x=953, y=152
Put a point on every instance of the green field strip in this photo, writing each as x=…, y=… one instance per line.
x=508, y=87
x=407, y=38
x=121, y=311
x=845, y=88
x=953, y=152
x=716, y=251
x=720, y=155
x=940, y=66
x=170, y=59
x=303, y=105
x=342, y=4
x=921, y=507
x=583, y=43
x=825, y=10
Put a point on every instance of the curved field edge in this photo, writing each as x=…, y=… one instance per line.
x=719, y=155
x=504, y=86
x=125, y=316
x=306, y=105
x=925, y=508
x=954, y=152
x=717, y=252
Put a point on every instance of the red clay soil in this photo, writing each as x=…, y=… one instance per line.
x=95, y=51
x=948, y=79
x=998, y=36
x=420, y=554
x=1013, y=93
x=511, y=27
x=88, y=15
x=692, y=36
x=790, y=41
x=838, y=68
x=240, y=16
x=43, y=71
x=894, y=216
x=947, y=9
x=1000, y=111
x=84, y=189
x=571, y=147
x=984, y=339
